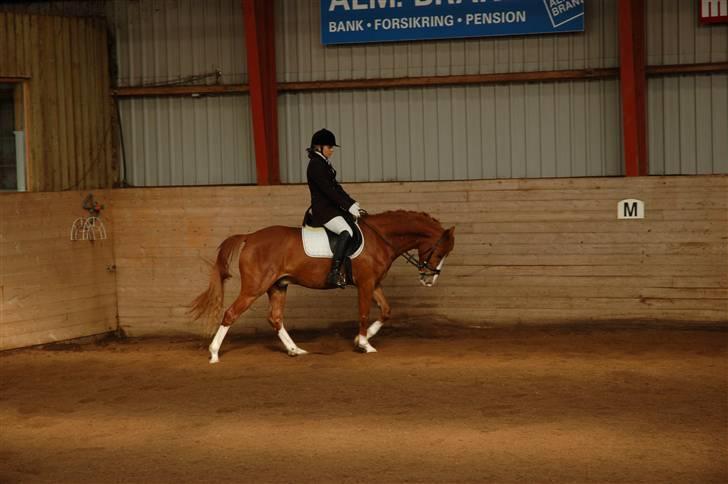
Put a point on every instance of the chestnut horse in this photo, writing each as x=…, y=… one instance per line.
x=273, y=258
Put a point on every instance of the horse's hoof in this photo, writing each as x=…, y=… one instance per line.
x=367, y=348
x=297, y=352
x=214, y=359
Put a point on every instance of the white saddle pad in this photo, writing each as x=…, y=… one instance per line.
x=316, y=243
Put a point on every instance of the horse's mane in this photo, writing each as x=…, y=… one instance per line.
x=406, y=213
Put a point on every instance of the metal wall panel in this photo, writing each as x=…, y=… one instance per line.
x=301, y=57
x=688, y=124
x=675, y=36
x=456, y=133
x=188, y=141
x=502, y=131
x=183, y=140
x=159, y=41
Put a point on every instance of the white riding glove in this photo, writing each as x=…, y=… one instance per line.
x=355, y=210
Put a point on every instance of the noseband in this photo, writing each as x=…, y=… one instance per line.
x=432, y=271
x=421, y=266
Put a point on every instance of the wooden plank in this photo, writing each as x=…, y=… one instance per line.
x=91, y=324
x=59, y=52
x=6, y=44
x=108, y=114
x=91, y=176
x=27, y=43
x=77, y=108
x=50, y=69
x=35, y=128
x=101, y=302
x=159, y=91
x=69, y=96
x=12, y=40
x=85, y=127
x=19, y=41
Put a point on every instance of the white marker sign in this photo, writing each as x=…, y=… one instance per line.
x=630, y=208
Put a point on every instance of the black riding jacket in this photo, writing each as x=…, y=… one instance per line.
x=328, y=198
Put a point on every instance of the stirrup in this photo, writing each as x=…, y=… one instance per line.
x=338, y=281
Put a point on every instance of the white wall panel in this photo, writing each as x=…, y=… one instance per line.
x=457, y=133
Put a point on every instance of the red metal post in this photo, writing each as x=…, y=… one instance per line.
x=262, y=80
x=272, y=91
x=632, y=85
x=638, y=16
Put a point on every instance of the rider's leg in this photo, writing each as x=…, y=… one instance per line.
x=339, y=226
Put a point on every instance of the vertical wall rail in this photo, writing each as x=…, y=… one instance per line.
x=260, y=40
x=632, y=85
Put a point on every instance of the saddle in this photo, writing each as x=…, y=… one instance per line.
x=320, y=242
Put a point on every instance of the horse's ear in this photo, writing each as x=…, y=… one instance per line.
x=451, y=232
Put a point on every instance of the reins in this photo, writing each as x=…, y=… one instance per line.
x=433, y=271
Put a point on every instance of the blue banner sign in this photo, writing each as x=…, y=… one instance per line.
x=357, y=21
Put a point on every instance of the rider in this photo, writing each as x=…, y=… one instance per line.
x=329, y=201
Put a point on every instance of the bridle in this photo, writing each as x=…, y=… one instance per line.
x=421, y=266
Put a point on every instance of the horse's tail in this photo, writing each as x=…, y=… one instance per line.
x=210, y=301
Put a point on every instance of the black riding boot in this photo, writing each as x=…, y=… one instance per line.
x=333, y=278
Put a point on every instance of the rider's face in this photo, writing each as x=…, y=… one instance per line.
x=328, y=151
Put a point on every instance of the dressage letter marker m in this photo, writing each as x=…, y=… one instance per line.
x=630, y=208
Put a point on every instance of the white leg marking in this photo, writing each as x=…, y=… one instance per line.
x=217, y=342
x=374, y=328
x=291, y=347
x=362, y=344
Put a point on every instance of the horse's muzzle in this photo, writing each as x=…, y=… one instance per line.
x=428, y=278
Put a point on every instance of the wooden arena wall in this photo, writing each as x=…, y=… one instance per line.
x=62, y=64
x=527, y=251
x=52, y=288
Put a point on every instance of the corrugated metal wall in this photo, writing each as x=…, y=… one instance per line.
x=527, y=130
x=502, y=131
x=188, y=141
x=687, y=115
x=162, y=41
x=688, y=124
x=183, y=140
x=457, y=133
x=674, y=35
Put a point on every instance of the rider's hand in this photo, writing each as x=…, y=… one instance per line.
x=355, y=210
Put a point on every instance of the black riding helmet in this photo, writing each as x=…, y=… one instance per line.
x=323, y=137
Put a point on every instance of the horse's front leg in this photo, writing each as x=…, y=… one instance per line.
x=361, y=341
x=384, y=312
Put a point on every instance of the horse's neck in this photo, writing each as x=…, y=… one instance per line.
x=406, y=234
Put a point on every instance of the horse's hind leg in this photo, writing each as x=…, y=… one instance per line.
x=277, y=296
x=241, y=304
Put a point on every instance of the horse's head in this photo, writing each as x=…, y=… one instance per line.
x=432, y=254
